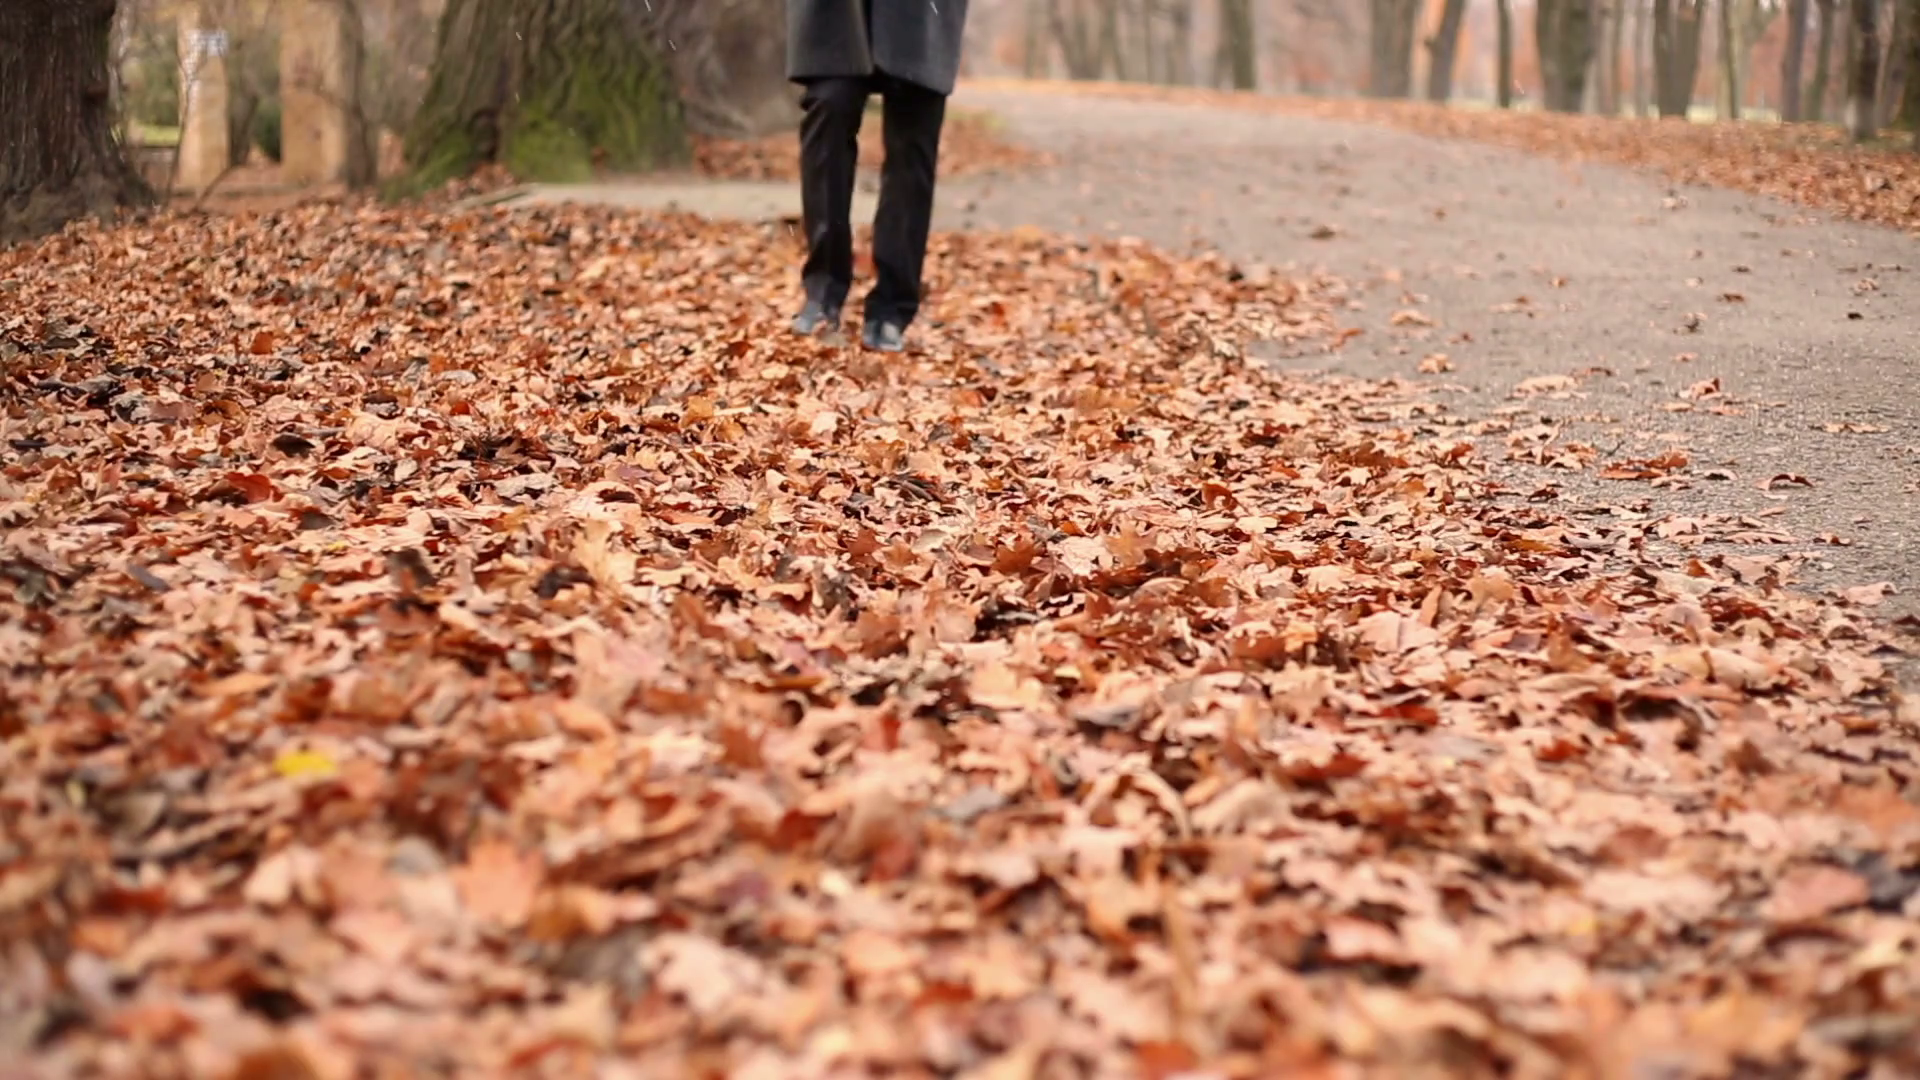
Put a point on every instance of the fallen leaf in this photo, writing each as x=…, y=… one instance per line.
x=498, y=883
x=1814, y=891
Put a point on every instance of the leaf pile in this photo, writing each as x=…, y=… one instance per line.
x=483, y=642
x=970, y=143
x=1813, y=165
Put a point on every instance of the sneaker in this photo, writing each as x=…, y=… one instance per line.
x=815, y=317
x=884, y=336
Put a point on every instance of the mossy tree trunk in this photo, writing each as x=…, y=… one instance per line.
x=552, y=89
x=59, y=157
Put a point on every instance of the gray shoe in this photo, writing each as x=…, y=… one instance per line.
x=884, y=336
x=815, y=317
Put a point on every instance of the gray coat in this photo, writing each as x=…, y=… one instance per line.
x=914, y=40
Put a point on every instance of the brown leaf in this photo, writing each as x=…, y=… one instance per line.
x=1814, y=891
x=498, y=883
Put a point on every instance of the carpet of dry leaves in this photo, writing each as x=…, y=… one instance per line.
x=483, y=642
x=1813, y=165
x=969, y=144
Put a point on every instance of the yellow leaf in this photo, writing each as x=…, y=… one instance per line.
x=305, y=765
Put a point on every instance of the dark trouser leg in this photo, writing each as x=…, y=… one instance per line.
x=829, y=152
x=914, y=115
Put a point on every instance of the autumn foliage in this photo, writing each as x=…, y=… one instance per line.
x=968, y=145
x=480, y=642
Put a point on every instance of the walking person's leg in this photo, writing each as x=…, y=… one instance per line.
x=913, y=119
x=829, y=153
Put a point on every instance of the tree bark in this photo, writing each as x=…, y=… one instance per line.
x=552, y=90
x=1442, y=49
x=1033, y=53
x=1611, y=96
x=1677, y=26
x=1391, y=35
x=1237, y=44
x=1863, y=79
x=1642, y=90
x=1079, y=44
x=1563, y=32
x=1503, y=65
x=59, y=158
x=1110, y=55
x=1816, y=102
x=1910, y=91
x=1894, y=75
x=1181, y=44
x=1792, y=62
x=729, y=71
x=1729, y=89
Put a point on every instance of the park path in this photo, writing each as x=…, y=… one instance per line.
x=1599, y=301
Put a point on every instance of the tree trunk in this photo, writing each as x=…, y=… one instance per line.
x=1910, y=92
x=1503, y=65
x=1863, y=80
x=551, y=90
x=60, y=160
x=1237, y=44
x=730, y=73
x=1677, y=26
x=242, y=109
x=1894, y=74
x=1442, y=48
x=1391, y=35
x=1181, y=44
x=1151, y=55
x=1033, y=46
x=1729, y=89
x=1816, y=100
x=1611, y=96
x=1642, y=89
x=1563, y=32
x=1079, y=43
x=1110, y=56
x=1793, y=61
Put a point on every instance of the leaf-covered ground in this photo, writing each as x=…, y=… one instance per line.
x=1814, y=165
x=969, y=144
x=468, y=643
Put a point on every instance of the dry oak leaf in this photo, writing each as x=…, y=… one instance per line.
x=999, y=687
x=1686, y=897
x=706, y=974
x=498, y=883
x=1811, y=892
x=1545, y=384
x=1867, y=595
x=288, y=873
x=1392, y=633
x=1115, y=1006
x=1081, y=556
